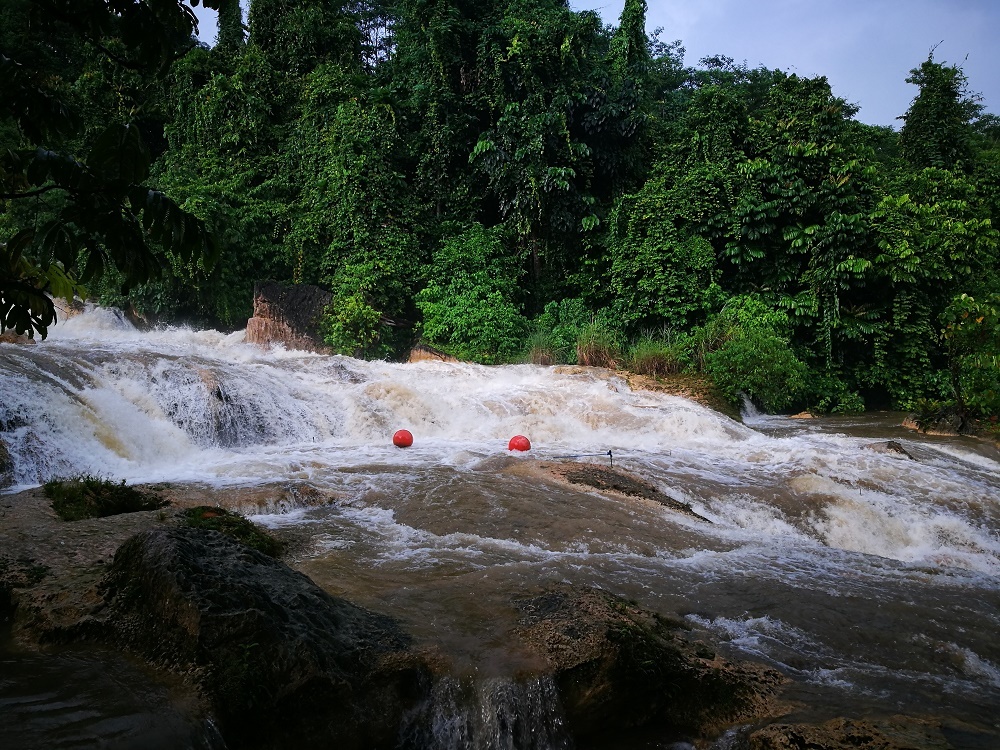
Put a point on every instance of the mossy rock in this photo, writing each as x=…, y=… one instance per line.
x=234, y=526
x=93, y=497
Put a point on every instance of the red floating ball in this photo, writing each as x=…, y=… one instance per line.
x=402, y=439
x=519, y=443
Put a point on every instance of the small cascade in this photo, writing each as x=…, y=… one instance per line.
x=489, y=714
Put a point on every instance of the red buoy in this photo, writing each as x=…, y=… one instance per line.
x=519, y=443
x=402, y=439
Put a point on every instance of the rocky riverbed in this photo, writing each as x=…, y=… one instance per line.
x=276, y=662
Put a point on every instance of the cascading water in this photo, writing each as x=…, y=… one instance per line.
x=870, y=579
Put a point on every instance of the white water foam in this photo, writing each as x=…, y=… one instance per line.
x=185, y=405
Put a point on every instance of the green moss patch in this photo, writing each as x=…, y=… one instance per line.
x=232, y=525
x=93, y=497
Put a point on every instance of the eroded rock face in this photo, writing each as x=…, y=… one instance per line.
x=618, y=666
x=424, y=353
x=282, y=662
x=289, y=316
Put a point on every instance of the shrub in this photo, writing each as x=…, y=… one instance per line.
x=233, y=525
x=828, y=394
x=93, y=497
x=469, y=304
x=352, y=326
x=761, y=365
x=745, y=351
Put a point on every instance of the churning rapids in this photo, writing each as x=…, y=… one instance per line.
x=871, y=580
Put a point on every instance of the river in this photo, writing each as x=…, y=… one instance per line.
x=871, y=580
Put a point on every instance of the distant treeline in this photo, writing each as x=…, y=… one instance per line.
x=511, y=180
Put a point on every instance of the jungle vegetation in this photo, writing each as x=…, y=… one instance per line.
x=506, y=180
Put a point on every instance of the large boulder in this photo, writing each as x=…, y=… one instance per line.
x=289, y=316
x=618, y=666
x=282, y=663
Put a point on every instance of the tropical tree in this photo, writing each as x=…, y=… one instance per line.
x=84, y=214
x=937, y=130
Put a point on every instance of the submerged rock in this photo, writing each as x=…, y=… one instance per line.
x=891, y=447
x=607, y=479
x=282, y=662
x=618, y=666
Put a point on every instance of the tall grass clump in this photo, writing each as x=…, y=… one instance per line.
x=598, y=346
x=88, y=496
x=541, y=349
x=658, y=355
x=555, y=333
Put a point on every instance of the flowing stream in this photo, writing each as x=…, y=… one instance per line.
x=871, y=580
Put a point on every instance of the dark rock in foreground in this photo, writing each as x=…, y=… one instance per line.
x=282, y=662
x=617, y=666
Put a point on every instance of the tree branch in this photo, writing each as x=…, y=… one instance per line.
x=30, y=193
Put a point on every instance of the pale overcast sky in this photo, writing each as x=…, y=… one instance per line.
x=865, y=48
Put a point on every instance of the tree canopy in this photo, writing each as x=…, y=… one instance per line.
x=495, y=177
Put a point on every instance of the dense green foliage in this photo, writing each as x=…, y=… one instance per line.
x=78, y=92
x=95, y=497
x=507, y=180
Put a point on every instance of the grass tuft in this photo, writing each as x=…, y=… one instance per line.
x=88, y=496
x=596, y=346
x=656, y=357
x=234, y=526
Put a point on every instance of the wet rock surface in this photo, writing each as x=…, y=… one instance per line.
x=606, y=479
x=891, y=447
x=896, y=733
x=288, y=316
x=618, y=666
x=282, y=662
x=6, y=466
